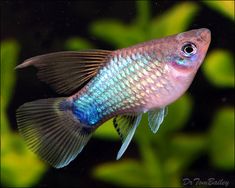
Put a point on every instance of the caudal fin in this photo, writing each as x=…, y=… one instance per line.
x=51, y=131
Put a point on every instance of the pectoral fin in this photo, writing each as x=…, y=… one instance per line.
x=126, y=126
x=155, y=118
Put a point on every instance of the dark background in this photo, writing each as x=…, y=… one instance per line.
x=43, y=26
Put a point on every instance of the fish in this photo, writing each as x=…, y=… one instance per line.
x=98, y=85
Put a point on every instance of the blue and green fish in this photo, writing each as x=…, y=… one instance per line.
x=101, y=85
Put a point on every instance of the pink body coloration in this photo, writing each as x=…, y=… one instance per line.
x=121, y=84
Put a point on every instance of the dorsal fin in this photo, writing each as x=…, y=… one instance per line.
x=67, y=71
x=126, y=126
x=155, y=118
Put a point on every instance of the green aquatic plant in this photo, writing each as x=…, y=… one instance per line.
x=219, y=68
x=143, y=28
x=77, y=43
x=221, y=139
x=226, y=8
x=219, y=64
x=10, y=48
x=15, y=157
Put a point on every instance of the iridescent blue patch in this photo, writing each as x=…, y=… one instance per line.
x=86, y=113
x=180, y=61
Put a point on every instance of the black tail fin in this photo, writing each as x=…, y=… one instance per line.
x=51, y=131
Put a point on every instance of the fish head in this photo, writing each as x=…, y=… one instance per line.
x=187, y=54
x=182, y=56
x=188, y=49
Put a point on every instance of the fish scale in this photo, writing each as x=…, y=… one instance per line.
x=120, y=85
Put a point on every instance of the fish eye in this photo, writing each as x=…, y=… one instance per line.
x=189, y=49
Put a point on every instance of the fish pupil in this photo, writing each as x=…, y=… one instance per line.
x=189, y=49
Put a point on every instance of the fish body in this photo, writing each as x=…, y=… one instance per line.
x=121, y=84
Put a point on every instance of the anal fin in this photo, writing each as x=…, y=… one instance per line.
x=126, y=126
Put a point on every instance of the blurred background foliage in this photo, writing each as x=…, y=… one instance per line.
x=163, y=158
x=15, y=157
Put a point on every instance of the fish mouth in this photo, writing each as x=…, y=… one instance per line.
x=204, y=35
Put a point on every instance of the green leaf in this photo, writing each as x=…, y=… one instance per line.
x=219, y=68
x=183, y=150
x=224, y=7
x=19, y=167
x=173, y=21
x=116, y=33
x=151, y=160
x=221, y=139
x=143, y=14
x=77, y=43
x=9, y=55
x=121, y=35
x=128, y=173
x=106, y=131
